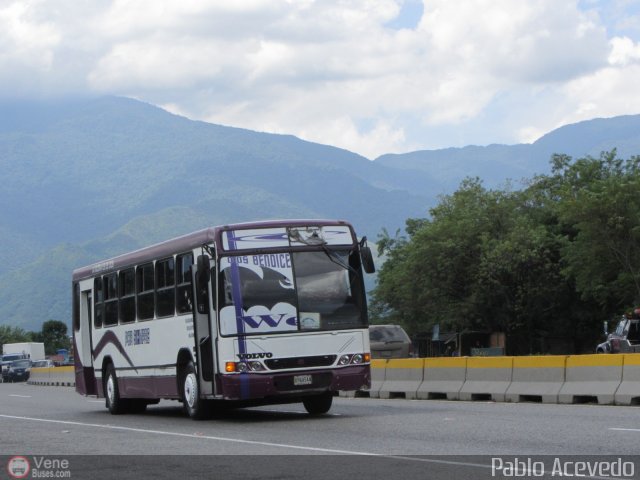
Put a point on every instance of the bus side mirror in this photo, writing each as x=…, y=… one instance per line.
x=366, y=257
x=367, y=260
x=606, y=327
x=202, y=282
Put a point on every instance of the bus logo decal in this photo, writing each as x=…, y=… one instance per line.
x=273, y=321
x=250, y=356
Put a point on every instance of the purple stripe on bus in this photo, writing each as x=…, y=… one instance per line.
x=236, y=292
x=110, y=338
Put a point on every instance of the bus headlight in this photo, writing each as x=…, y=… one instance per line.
x=242, y=367
x=354, y=359
x=256, y=366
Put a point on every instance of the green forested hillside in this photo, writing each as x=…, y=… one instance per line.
x=495, y=163
x=86, y=179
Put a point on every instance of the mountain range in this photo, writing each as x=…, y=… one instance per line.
x=86, y=179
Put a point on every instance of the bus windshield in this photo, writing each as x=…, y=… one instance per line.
x=288, y=292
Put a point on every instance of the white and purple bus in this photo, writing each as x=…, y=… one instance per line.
x=254, y=313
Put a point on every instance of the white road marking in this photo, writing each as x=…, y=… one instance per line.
x=625, y=429
x=20, y=396
x=248, y=442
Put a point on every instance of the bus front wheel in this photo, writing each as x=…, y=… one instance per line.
x=318, y=404
x=197, y=408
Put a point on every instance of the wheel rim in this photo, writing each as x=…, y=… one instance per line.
x=190, y=390
x=111, y=391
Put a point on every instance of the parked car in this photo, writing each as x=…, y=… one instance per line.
x=18, y=371
x=42, y=364
x=5, y=361
x=389, y=341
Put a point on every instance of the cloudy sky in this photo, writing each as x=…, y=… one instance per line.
x=371, y=76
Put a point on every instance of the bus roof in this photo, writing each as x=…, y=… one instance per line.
x=187, y=242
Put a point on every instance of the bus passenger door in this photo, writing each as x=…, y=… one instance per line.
x=202, y=325
x=85, y=375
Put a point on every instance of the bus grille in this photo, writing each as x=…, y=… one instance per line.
x=300, y=362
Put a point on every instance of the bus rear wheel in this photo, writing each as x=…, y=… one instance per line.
x=318, y=404
x=113, y=402
x=197, y=408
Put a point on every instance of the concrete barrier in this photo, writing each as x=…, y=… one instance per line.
x=488, y=378
x=63, y=376
x=378, y=373
x=537, y=378
x=39, y=376
x=605, y=379
x=377, y=378
x=628, y=393
x=443, y=378
x=403, y=376
x=591, y=378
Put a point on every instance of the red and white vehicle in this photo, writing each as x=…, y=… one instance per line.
x=256, y=313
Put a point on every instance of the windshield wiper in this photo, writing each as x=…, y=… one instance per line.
x=338, y=261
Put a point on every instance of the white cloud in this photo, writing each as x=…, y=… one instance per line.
x=608, y=92
x=328, y=70
x=27, y=41
x=624, y=51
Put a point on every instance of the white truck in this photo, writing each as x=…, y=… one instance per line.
x=32, y=350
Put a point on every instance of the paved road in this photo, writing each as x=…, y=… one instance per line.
x=379, y=436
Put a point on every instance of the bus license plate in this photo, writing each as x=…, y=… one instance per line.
x=299, y=380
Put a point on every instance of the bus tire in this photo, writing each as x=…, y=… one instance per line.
x=318, y=404
x=197, y=408
x=113, y=402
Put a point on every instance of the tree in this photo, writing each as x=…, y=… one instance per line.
x=551, y=260
x=432, y=278
x=600, y=204
x=54, y=335
x=10, y=334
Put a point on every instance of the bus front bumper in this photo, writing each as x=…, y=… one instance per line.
x=251, y=385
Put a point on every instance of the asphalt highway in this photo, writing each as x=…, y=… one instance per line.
x=359, y=438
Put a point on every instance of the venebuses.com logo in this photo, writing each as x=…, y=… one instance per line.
x=18, y=467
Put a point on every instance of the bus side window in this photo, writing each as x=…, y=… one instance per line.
x=110, y=290
x=145, y=289
x=127, y=286
x=184, y=303
x=165, y=287
x=98, y=305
